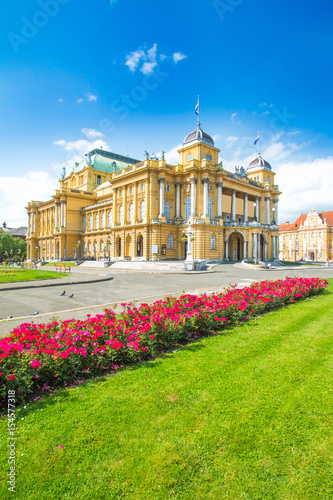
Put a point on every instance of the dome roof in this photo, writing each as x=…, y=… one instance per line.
x=102, y=160
x=198, y=136
x=259, y=162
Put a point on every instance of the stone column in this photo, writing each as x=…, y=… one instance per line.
x=246, y=197
x=226, y=256
x=193, y=182
x=276, y=215
x=177, y=184
x=233, y=205
x=255, y=240
x=258, y=208
x=56, y=217
x=268, y=211
x=219, y=199
x=135, y=202
x=161, y=181
x=29, y=228
x=62, y=213
x=205, y=196
x=258, y=247
x=244, y=251
x=265, y=254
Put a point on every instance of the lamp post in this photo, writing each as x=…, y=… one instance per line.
x=189, y=262
x=36, y=248
x=79, y=247
x=255, y=211
x=109, y=241
x=273, y=221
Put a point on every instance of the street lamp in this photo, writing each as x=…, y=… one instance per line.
x=109, y=241
x=79, y=247
x=255, y=211
x=273, y=221
x=36, y=248
x=189, y=262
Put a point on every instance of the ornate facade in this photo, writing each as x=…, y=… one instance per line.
x=310, y=237
x=112, y=206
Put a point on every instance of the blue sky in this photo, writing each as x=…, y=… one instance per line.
x=125, y=75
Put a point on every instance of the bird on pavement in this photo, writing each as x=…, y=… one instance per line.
x=71, y=296
x=35, y=313
x=63, y=293
x=9, y=317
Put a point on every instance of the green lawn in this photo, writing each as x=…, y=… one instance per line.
x=53, y=264
x=246, y=414
x=13, y=274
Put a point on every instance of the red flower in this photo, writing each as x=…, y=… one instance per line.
x=11, y=377
x=144, y=349
x=35, y=363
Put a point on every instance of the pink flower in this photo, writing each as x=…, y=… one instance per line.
x=152, y=337
x=61, y=447
x=35, y=363
x=11, y=377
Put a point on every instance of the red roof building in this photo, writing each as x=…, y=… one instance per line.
x=310, y=237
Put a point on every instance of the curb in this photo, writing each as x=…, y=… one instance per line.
x=63, y=283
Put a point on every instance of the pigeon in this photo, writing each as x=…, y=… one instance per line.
x=71, y=296
x=63, y=293
x=9, y=317
x=35, y=313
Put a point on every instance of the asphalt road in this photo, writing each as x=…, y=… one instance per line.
x=125, y=287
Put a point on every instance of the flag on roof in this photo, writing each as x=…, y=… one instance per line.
x=197, y=108
x=257, y=139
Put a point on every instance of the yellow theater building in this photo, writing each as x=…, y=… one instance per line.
x=110, y=206
x=310, y=237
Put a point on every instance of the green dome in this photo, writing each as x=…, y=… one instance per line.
x=101, y=160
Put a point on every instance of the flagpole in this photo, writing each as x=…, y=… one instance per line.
x=259, y=145
x=198, y=111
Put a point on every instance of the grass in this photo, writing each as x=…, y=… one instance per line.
x=14, y=274
x=246, y=414
x=67, y=264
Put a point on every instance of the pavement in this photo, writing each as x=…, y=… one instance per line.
x=97, y=289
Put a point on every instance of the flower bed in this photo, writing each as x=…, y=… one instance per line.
x=38, y=357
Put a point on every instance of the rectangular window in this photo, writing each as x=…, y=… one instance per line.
x=167, y=187
x=120, y=192
x=142, y=187
x=189, y=157
x=98, y=180
x=209, y=157
x=131, y=190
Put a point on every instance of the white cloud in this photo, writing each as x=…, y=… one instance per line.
x=233, y=117
x=133, y=59
x=91, y=97
x=305, y=185
x=34, y=185
x=178, y=56
x=92, y=133
x=172, y=156
x=61, y=99
x=79, y=101
x=81, y=146
x=147, y=59
x=148, y=68
x=230, y=141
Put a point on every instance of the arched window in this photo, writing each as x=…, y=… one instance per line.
x=85, y=223
x=210, y=208
x=102, y=246
x=96, y=221
x=121, y=213
x=212, y=242
x=89, y=246
x=110, y=218
x=170, y=242
x=142, y=209
x=188, y=207
x=90, y=222
x=167, y=210
x=103, y=220
x=131, y=211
